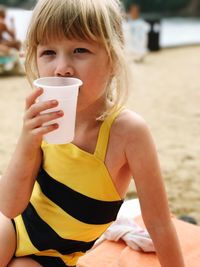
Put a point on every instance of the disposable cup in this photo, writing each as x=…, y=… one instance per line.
x=65, y=91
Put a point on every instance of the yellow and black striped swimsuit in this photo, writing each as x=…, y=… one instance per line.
x=73, y=202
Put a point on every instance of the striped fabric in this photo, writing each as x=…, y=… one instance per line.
x=73, y=202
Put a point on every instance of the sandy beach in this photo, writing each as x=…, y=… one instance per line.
x=166, y=92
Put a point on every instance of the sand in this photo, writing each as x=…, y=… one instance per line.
x=166, y=92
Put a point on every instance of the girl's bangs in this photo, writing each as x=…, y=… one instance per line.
x=74, y=27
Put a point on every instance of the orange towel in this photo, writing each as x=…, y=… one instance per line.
x=111, y=254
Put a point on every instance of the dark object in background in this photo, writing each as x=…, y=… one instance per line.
x=24, y=4
x=188, y=219
x=154, y=34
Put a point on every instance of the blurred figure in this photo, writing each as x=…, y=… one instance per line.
x=7, y=34
x=136, y=34
x=9, y=47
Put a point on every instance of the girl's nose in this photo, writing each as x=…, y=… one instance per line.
x=64, y=69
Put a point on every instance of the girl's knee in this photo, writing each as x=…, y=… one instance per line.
x=7, y=240
x=23, y=262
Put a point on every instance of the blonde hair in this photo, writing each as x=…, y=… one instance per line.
x=97, y=20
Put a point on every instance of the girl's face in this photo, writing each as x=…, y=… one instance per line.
x=85, y=60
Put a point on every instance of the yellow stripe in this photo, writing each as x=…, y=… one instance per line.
x=62, y=223
x=83, y=174
x=24, y=245
x=70, y=259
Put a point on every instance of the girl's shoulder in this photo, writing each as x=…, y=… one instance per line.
x=129, y=123
x=129, y=130
x=129, y=137
x=135, y=140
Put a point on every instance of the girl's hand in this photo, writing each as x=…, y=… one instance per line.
x=33, y=126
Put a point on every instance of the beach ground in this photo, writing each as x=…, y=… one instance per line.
x=166, y=92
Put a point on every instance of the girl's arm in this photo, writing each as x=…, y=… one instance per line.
x=17, y=182
x=143, y=162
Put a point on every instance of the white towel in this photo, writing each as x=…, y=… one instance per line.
x=133, y=235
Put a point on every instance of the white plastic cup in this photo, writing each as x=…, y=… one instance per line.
x=65, y=91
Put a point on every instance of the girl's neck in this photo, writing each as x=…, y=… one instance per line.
x=87, y=117
x=87, y=127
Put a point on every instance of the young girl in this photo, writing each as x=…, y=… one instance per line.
x=63, y=197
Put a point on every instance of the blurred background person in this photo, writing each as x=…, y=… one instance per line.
x=7, y=33
x=9, y=45
x=136, y=33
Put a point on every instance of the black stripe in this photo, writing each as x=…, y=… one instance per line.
x=79, y=206
x=46, y=261
x=43, y=237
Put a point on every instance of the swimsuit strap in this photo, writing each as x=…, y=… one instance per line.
x=104, y=133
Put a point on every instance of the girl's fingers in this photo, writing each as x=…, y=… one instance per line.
x=45, y=129
x=39, y=113
x=37, y=108
x=41, y=119
x=30, y=100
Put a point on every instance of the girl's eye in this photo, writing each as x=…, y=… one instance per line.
x=81, y=50
x=48, y=53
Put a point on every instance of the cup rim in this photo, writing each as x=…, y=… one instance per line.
x=37, y=82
